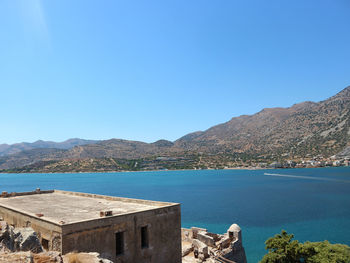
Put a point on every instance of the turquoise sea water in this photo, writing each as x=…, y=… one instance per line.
x=314, y=204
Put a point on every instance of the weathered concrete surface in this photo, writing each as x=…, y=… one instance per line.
x=69, y=221
x=63, y=208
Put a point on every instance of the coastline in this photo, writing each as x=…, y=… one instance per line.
x=174, y=170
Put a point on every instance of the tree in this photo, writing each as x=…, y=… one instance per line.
x=325, y=252
x=281, y=249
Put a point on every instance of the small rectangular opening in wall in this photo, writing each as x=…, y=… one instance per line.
x=119, y=243
x=144, y=237
x=230, y=235
x=45, y=243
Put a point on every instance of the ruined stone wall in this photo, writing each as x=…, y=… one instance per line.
x=186, y=234
x=164, y=236
x=199, y=245
x=51, y=232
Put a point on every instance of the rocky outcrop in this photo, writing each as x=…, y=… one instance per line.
x=199, y=245
x=19, y=239
x=27, y=240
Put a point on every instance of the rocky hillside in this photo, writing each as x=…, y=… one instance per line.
x=24, y=158
x=304, y=129
x=344, y=153
x=6, y=149
x=114, y=148
x=117, y=148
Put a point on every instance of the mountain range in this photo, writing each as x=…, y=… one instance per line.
x=302, y=130
x=6, y=149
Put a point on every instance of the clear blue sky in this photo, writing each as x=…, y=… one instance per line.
x=147, y=70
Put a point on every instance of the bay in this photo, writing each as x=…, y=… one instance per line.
x=313, y=204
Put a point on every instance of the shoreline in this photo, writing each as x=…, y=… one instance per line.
x=126, y=171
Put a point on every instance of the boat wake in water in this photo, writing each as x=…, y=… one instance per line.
x=308, y=177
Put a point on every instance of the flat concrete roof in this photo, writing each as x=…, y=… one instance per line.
x=62, y=207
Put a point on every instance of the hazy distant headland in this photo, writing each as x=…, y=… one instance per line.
x=307, y=134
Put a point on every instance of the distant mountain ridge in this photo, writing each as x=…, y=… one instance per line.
x=6, y=149
x=304, y=129
x=321, y=127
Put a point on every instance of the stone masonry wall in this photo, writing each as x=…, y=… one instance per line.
x=164, y=236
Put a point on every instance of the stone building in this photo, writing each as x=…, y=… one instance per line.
x=120, y=229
